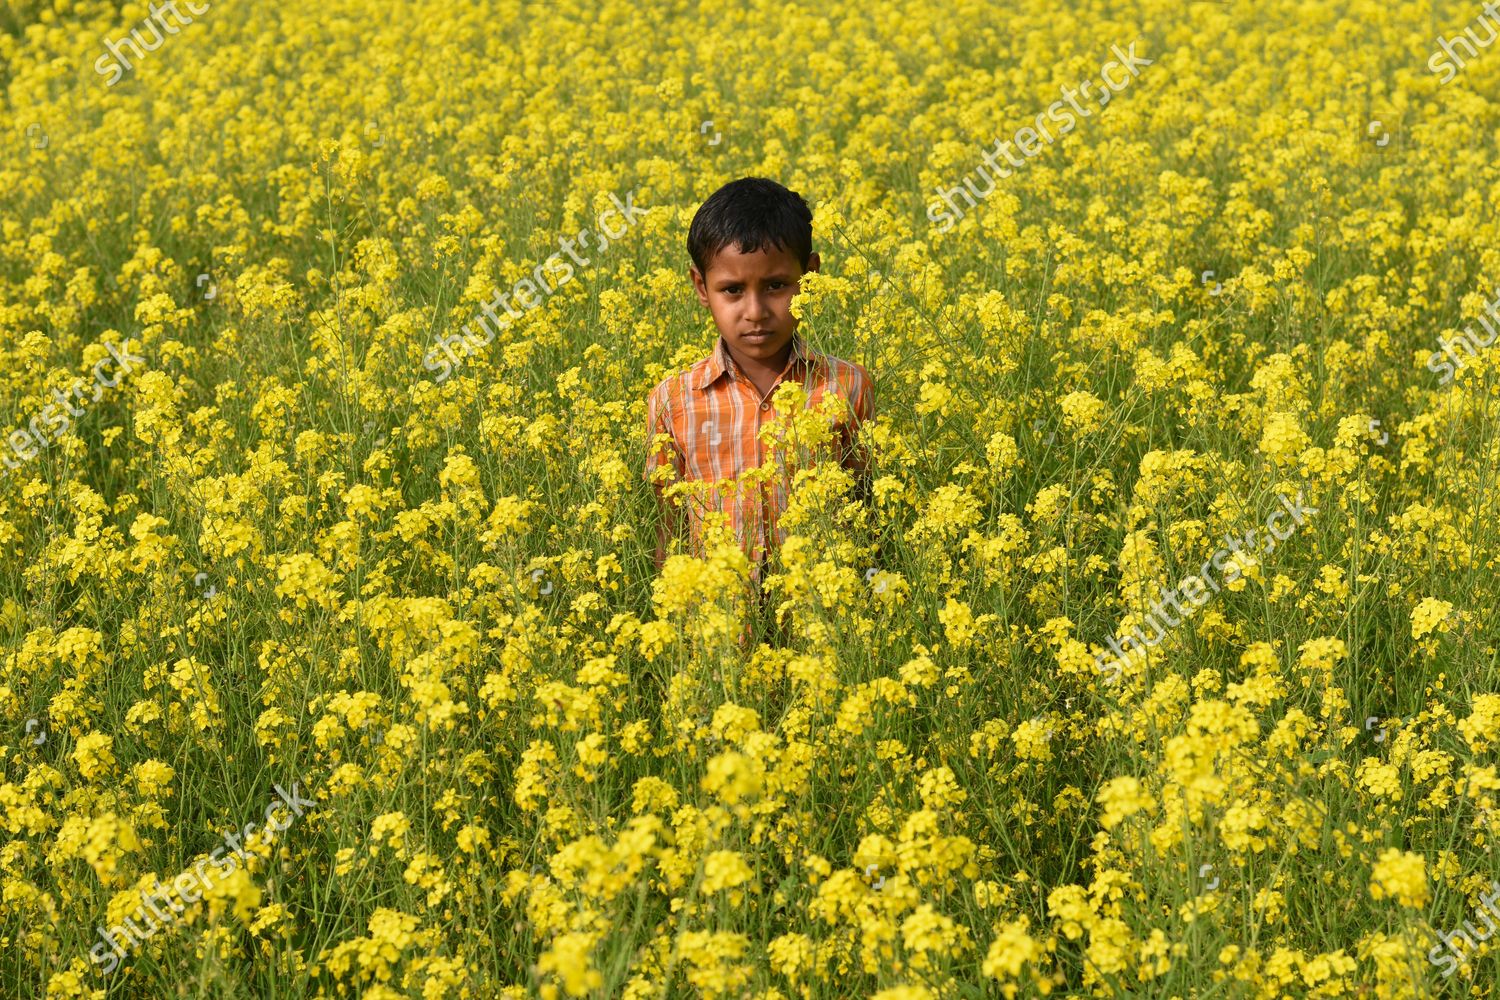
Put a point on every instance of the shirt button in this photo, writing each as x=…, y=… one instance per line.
x=765, y=406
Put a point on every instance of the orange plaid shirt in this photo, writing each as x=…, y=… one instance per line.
x=713, y=413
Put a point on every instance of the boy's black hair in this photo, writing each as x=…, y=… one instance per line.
x=754, y=213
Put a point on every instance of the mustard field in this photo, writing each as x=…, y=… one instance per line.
x=1161, y=661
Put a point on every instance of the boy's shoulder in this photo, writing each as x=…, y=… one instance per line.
x=673, y=392
x=683, y=377
x=695, y=376
x=851, y=375
x=843, y=364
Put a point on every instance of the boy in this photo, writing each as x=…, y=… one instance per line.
x=750, y=242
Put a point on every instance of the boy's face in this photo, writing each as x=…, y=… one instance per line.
x=750, y=296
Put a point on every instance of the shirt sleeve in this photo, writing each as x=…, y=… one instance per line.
x=864, y=397
x=862, y=403
x=658, y=421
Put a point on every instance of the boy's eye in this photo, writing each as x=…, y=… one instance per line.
x=736, y=289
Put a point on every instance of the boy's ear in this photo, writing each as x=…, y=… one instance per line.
x=699, y=284
x=813, y=262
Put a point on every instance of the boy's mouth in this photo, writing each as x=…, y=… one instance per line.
x=757, y=336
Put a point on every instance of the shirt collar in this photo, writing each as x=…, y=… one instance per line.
x=720, y=363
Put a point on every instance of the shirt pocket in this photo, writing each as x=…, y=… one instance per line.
x=720, y=445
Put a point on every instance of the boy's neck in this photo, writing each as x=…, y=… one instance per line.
x=758, y=371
